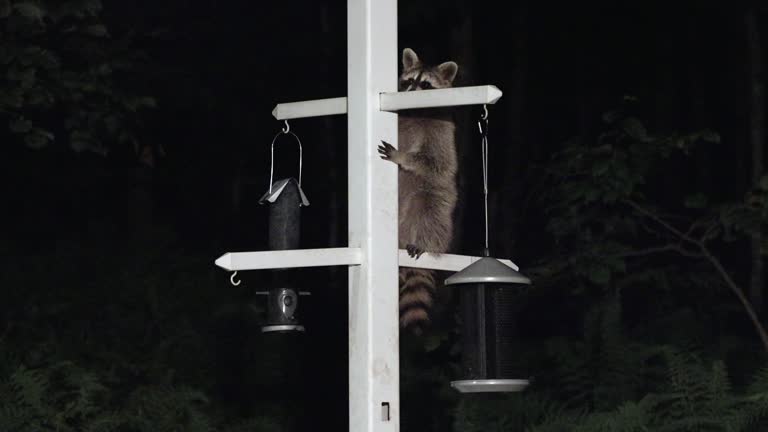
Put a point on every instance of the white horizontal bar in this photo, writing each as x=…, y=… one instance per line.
x=311, y=108
x=234, y=261
x=396, y=101
x=455, y=96
x=445, y=262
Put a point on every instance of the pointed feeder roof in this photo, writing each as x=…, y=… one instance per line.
x=278, y=187
x=487, y=270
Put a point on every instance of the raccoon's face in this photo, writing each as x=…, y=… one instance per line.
x=417, y=76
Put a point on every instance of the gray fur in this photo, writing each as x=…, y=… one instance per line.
x=427, y=183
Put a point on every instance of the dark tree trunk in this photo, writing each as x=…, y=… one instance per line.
x=329, y=142
x=757, y=144
x=514, y=150
x=466, y=139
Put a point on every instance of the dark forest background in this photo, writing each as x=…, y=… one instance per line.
x=627, y=180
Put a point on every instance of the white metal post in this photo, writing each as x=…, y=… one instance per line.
x=371, y=105
x=374, y=400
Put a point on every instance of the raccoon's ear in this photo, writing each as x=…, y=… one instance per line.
x=410, y=59
x=448, y=71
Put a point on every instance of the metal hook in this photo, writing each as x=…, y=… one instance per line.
x=483, y=122
x=285, y=131
x=232, y=279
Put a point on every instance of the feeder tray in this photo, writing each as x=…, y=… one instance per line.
x=490, y=385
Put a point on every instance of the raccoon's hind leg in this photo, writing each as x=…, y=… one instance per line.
x=429, y=223
x=413, y=250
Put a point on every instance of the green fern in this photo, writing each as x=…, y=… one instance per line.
x=66, y=398
x=259, y=424
x=602, y=370
x=759, y=383
x=29, y=388
x=699, y=398
x=80, y=393
x=165, y=408
x=752, y=413
x=105, y=422
x=600, y=378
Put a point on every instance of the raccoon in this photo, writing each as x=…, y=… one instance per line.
x=426, y=159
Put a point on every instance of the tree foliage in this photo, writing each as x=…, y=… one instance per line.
x=103, y=359
x=621, y=232
x=596, y=391
x=612, y=211
x=64, y=397
x=591, y=187
x=65, y=76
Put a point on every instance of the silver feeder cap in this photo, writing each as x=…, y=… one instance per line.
x=282, y=328
x=490, y=385
x=487, y=270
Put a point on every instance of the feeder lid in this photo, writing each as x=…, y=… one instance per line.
x=282, y=328
x=487, y=270
x=490, y=385
x=278, y=187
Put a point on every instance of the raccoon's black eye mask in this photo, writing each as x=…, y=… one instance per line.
x=406, y=84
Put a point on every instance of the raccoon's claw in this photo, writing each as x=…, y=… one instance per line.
x=414, y=251
x=387, y=151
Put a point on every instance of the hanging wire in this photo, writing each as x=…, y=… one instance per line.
x=482, y=125
x=285, y=131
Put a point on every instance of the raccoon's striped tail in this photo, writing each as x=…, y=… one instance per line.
x=417, y=290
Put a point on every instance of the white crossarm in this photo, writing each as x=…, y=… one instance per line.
x=311, y=108
x=396, y=101
x=236, y=261
x=446, y=262
x=477, y=95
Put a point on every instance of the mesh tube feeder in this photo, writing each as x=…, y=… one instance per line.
x=285, y=199
x=282, y=340
x=487, y=294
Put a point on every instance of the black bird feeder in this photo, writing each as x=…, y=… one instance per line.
x=487, y=296
x=285, y=198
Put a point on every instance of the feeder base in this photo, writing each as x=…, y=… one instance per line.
x=490, y=385
x=278, y=328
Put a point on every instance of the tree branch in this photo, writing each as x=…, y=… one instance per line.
x=682, y=251
x=681, y=235
x=648, y=251
x=706, y=254
x=659, y=249
x=712, y=227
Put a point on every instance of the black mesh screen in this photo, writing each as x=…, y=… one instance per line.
x=488, y=326
x=504, y=326
x=473, y=332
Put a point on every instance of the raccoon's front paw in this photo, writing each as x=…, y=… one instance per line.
x=388, y=152
x=414, y=251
